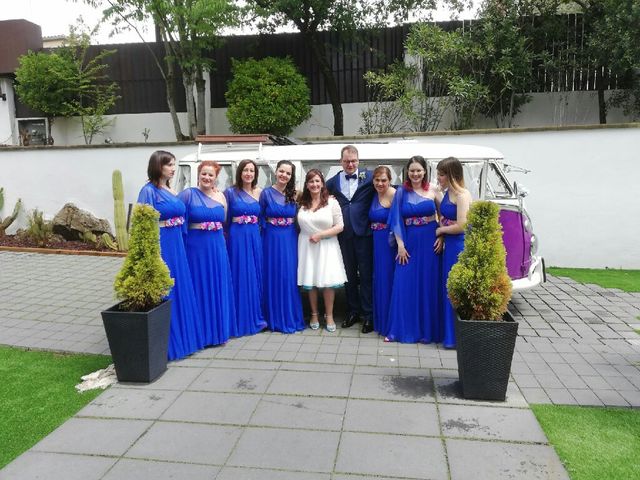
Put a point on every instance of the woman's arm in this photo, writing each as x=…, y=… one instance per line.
x=338, y=224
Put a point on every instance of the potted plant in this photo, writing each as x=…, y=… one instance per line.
x=137, y=328
x=480, y=289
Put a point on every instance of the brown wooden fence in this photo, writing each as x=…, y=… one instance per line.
x=142, y=88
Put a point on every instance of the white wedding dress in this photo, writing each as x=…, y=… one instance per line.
x=320, y=264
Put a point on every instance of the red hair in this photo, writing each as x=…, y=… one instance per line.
x=209, y=163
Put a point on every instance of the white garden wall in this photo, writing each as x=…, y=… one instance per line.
x=545, y=109
x=584, y=185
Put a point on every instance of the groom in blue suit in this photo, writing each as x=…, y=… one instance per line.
x=353, y=188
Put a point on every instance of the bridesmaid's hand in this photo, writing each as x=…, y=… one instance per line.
x=438, y=244
x=403, y=256
x=439, y=231
x=315, y=238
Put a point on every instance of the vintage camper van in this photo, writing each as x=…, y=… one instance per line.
x=484, y=171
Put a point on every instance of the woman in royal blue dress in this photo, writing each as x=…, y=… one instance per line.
x=282, y=304
x=414, y=307
x=245, y=249
x=207, y=255
x=185, y=335
x=454, y=207
x=383, y=253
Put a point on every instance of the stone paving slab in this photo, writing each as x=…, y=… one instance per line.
x=94, y=436
x=287, y=449
x=186, y=442
x=33, y=465
x=503, y=461
x=146, y=469
x=392, y=455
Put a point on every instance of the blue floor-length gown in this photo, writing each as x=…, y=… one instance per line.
x=185, y=334
x=245, y=255
x=453, y=245
x=383, y=266
x=282, y=304
x=414, y=306
x=209, y=264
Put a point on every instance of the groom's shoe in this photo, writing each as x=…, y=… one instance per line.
x=367, y=325
x=351, y=319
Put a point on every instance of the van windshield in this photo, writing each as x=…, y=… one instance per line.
x=497, y=184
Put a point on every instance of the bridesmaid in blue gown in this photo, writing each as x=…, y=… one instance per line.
x=245, y=249
x=454, y=207
x=185, y=334
x=383, y=253
x=207, y=255
x=282, y=304
x=414, y=307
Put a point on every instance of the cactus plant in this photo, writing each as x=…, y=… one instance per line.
x=107, y=241
x=4, y=223
x=119, y=217
x=39, y=229
x=89, y=237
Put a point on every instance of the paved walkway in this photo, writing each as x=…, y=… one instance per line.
x=314, y=405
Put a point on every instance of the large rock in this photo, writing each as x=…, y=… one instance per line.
x=71, y=222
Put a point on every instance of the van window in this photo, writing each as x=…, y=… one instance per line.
x=183, y=178
x=497, y=185
x=266, y=177
x=225, y=178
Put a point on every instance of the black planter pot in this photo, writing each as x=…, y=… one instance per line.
x=485, y=351
x=138, y=341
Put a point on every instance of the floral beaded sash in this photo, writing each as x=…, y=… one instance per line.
x=280, y=221
x=172, y=222
x=245, y=219
x=418, y=221
x=206, y=226
x=378, y=226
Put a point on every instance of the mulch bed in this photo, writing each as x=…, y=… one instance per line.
x=71, y=247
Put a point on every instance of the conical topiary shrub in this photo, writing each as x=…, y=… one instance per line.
x=138, y=327
x=480, y=289
x=143, y=280
x=479, y=286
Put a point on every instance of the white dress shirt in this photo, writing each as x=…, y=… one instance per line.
x=348, y=187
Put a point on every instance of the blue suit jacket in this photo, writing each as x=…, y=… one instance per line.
x=355, y=212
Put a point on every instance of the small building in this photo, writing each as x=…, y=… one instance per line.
x=17, y=37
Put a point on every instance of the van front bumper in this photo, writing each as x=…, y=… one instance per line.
x=535, y=277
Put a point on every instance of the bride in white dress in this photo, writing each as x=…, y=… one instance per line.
x=320, y=264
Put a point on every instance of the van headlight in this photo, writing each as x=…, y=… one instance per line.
x=528, y=226
x=534, y=245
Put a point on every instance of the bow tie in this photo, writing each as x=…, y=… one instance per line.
x=352, y=176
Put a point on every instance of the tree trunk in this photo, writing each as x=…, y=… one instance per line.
x=201, y=107
x=187, y=81
x=600, y=83
x=320, y=53
x=170, y=89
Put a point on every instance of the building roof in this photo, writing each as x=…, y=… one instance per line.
x=17, y=37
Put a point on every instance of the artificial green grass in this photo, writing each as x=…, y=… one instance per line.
x=37, y=395
x=627, y=280
x=593, y=443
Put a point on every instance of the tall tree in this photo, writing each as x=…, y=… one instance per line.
x=345, y=17
x=189, y=29
x=612, y=43
x=509, y=33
